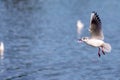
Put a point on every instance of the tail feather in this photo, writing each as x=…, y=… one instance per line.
x=107, y=47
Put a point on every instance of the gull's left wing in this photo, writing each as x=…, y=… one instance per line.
x=95, y=27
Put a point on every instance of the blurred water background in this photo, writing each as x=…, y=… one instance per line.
x=40, y=40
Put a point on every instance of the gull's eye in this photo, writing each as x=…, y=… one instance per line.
x=84, y=38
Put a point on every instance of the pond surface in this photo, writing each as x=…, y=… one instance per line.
x=40, y=40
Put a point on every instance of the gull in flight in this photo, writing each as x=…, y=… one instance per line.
x=97, y=37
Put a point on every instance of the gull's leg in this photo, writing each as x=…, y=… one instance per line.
x=103, y=51
x=99, y=52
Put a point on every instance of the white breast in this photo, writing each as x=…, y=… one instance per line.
x=95, y=42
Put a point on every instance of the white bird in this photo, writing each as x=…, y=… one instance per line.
x=1, y=50
x=97, y=37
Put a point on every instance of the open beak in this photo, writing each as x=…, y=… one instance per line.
x=80, y=40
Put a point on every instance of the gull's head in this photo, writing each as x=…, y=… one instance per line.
x=83, y=39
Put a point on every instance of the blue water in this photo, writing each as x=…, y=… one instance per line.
x=41, y=40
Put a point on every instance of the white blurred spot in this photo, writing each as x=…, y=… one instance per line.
x=80, y=26
x=1, y=50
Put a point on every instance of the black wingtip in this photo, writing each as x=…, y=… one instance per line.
x=97, y=16
x=94, y=12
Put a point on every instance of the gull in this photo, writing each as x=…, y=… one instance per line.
x=96, y=38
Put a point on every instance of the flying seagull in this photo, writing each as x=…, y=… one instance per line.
x=97, y=37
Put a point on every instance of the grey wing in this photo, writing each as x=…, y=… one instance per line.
x=95, y=27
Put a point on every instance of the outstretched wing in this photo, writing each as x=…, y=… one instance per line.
x=95, y=26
